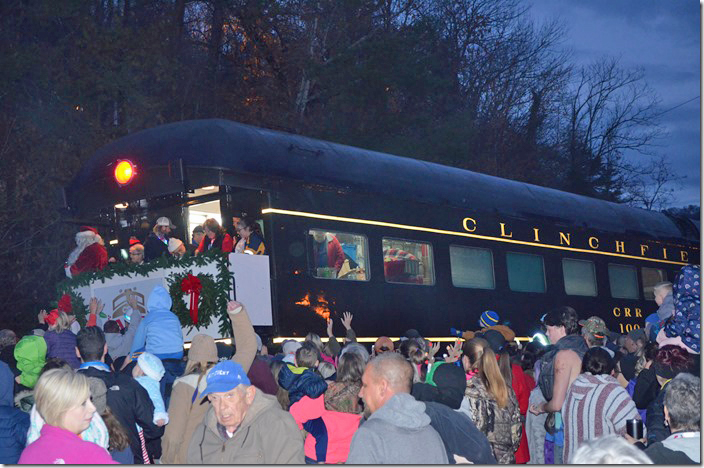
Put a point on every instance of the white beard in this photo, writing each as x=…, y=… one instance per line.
x=83, y=240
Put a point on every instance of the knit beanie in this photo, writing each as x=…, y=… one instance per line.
x=151, y=366
x=203, y=349
x=98, y=394
x=488, y=318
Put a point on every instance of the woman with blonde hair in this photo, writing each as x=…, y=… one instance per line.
x=62, y=398
x=60, y=340
x=490, y=400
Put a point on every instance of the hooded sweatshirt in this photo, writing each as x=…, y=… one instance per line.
x=30, y=353
x=679, y=448
x=399, y=433
x=160, y=331
x=13, y=422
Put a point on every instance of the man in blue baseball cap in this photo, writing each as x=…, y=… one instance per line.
x=243, y=425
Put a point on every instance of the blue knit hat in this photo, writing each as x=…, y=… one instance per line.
x=488, y=319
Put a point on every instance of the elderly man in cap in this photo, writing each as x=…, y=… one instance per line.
x=244, y=426
x=595, y=332
x=157, y=241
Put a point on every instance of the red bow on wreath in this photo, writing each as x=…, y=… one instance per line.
x=191, y=285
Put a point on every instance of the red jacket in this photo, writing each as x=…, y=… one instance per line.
x=93, y=258
x=336, y=256
x=522, y=385
x=224, y=243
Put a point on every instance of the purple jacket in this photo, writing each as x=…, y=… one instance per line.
x=56, y=445
x=62, y=345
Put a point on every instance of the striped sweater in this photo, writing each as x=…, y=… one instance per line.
x=595, y=406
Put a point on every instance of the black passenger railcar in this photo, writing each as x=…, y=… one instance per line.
x=425, y=246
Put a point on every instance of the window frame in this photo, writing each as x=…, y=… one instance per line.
x=638, y=286
x=432, y=259
x=309, y=255
x=493, y=266
x=596, y=283
x=508, y=276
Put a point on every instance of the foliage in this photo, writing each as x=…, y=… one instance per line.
x=213, y=299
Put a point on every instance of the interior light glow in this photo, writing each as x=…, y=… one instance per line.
x=121, y=206
x=114, y=242
x=124, y=172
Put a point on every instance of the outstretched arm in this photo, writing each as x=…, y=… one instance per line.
x=243, y=333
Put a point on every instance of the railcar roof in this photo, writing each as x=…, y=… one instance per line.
x=258, y=151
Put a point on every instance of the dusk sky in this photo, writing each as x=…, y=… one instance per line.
x=662, y=37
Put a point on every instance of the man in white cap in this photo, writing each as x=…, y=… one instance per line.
x=177, y=248
x=157, y=241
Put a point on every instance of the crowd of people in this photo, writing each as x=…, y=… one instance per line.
x=140, y=395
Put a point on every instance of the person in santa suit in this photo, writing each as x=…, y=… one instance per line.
x=89, y=254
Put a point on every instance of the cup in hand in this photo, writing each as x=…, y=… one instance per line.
x=634, y=428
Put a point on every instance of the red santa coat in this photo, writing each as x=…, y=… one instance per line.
x=93, y=258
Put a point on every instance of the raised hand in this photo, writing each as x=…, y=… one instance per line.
x=330, y=328
x=234, y=307
x=347, y=320
x=41, y=316
x=434, y=349
x=96, y=305
x=132, y=300
x=454, y=352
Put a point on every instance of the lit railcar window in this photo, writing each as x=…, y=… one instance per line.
x=526, y=272
x=472, y=267
x=623, y=281
x=579, y=276
x=338, y=255
x=651, y=277
x=408, y=262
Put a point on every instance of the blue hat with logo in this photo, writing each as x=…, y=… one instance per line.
x=488, y=319
x=224, y=377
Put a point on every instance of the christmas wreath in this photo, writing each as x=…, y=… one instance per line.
x=214, y=293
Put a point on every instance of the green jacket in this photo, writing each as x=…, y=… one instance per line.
x=268, y=435
x=30, y=353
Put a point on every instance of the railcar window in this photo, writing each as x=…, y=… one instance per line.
x=651, y=277
x=338, y=255
x=580, y=277
x=526, y=272
x=623, y=281
x=408, y=262
x=472, y=267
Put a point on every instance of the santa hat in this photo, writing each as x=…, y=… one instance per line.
x=65, y=304
x=87, y=229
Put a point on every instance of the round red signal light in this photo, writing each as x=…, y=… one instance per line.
x=124, y=172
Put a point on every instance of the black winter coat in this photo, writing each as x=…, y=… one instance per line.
x=655, y=419
x=130, y=403
x=459, y=434
x=154, y=248
x=646, y=388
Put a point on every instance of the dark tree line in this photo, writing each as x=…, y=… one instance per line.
x=469, y=83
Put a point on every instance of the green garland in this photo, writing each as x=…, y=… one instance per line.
x=214, y=298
